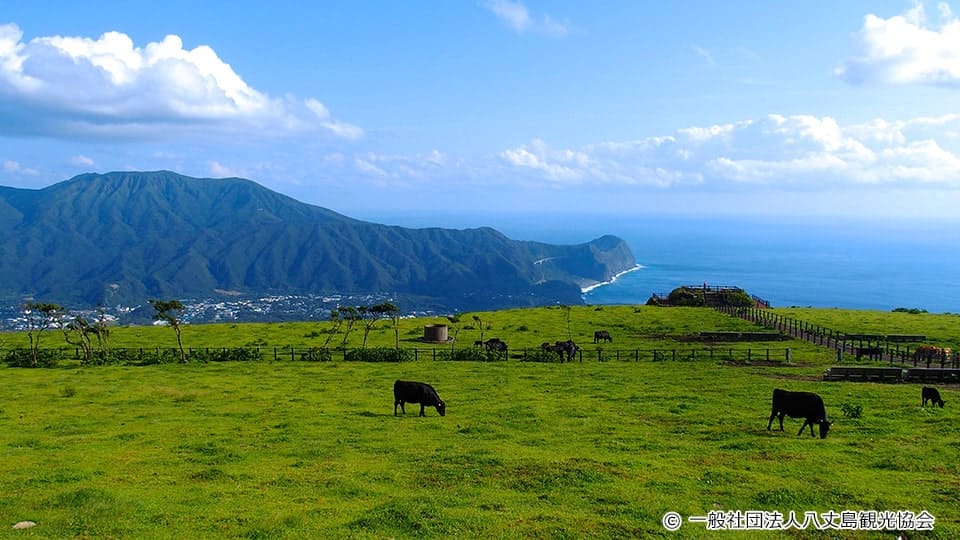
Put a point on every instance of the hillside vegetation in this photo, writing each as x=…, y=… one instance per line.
x=125, y=237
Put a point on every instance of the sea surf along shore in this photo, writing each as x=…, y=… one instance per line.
x=612, y=280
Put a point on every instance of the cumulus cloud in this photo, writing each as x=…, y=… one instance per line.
x=517, y=16
x=15, y=168
x=218, y=170
x=796, y=152
x=906, y=48
x=81, y=161
x=109, y=87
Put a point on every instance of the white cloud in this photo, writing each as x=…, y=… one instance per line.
x=517, y=16
x=705, y=54
x=81, y=161
x=109, y=87
x=906, y=49
x=15, y=168
x=218, y=170
x=794, y=152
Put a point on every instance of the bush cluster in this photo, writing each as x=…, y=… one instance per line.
x=379, y=354
x=471, y=355
x=24, y=358
x=851, y=410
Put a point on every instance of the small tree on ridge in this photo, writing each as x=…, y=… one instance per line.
x=170, y=312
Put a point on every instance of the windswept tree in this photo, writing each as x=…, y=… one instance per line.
x=351, y=315
x=170, y=312
x=337, y=321
x=566, y=312
x=76, y=332
x=479, y=322
x=390, y=311
x=455, y=322
x=100, y=329
x=40, y=316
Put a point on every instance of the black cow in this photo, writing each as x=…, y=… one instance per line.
x=602, y=335
x=494, y=344
x=416, y=392
x=566, y=348
x=800, y=405
x=870, y=352
x=931, y=394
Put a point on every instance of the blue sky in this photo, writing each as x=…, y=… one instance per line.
x=374, y=107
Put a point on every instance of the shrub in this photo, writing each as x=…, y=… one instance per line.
x=851, y=410
x=539, y=355
x=316, y=355
x=471, y=355
x=379, y=354
x=912, y=311
x=224, y=355
x=684, y=296
x=23, y=358
x=736, y=298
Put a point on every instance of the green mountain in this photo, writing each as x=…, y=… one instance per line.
x=124, y=237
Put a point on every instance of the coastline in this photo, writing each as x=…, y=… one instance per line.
x=585, y=290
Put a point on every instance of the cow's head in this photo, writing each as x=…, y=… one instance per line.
x=442, y=408
x=824, y=428
x=940, y=403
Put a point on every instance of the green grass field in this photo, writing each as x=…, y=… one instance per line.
x=593, y=449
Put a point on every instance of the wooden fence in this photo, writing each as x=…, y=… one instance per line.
x=892, y=348
x=154, y=355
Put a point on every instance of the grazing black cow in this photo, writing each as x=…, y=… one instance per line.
x=566, y=348
x=416, y=392
x=602, y=335
x=870, y=352
x=931, y=394
x=800, y=405
x=494, y=344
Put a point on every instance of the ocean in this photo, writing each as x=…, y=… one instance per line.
x=844, y=263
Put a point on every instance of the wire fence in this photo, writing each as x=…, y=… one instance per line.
x=164, y=355
x=902, y=349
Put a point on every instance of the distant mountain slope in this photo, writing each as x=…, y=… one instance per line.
x=123, y=237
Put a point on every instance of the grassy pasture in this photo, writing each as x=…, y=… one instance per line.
x=312, y=450
x=301, y=450
x=632, y=327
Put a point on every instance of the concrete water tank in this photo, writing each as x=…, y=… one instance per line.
x=435, y=332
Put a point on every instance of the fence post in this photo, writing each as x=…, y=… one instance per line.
x=788, y=355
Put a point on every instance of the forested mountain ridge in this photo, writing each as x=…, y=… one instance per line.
x=123, y=237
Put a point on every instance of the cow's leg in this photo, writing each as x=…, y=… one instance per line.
x=804, y=426
x=770, y=422
x=395, y=403
x=421, y=410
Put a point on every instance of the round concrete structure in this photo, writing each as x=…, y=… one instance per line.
x=435, y=332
